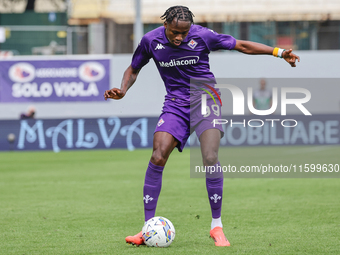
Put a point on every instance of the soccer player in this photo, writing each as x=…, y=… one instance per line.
x=180, y=51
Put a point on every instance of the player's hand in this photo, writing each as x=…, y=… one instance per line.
x=290, y=57
x=114, y=93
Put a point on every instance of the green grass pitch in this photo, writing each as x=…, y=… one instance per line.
x=86, y=202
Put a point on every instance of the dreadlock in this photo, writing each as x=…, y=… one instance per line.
x=179, y=12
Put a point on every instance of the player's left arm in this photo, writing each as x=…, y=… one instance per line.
x=254, y=48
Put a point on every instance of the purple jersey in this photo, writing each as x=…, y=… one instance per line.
x=177, y=65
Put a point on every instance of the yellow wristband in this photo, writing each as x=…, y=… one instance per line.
x=275, y=51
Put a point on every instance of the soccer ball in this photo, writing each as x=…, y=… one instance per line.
x=158, y=232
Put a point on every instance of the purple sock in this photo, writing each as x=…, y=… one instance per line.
x=152, y=188
x=214, y=184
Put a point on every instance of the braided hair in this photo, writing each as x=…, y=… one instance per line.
x=179, y=12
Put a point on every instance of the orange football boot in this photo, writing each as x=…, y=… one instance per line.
x=217, y=234
x=136, y=239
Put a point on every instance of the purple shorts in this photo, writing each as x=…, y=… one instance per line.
x=182, y=124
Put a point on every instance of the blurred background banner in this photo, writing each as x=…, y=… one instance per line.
x=132, y=133
x=75, y=134
x=320, y=129
x=54, y=80
x=57, y=58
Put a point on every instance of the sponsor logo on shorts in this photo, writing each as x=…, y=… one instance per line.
x=160, y=122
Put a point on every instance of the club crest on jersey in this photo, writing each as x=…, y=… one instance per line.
x=160, y=122
x=160, y=47
x=192, y=44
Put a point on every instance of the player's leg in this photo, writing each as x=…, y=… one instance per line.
x=163, y=145
x=210, y=140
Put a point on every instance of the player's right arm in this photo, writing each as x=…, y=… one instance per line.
x=129, y=78
x=140, y=58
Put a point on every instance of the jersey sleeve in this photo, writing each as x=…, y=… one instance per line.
x=216, y=41
x=141, y=55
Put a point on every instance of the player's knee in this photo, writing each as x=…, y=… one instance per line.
x=158, y=158
x=210, y=159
